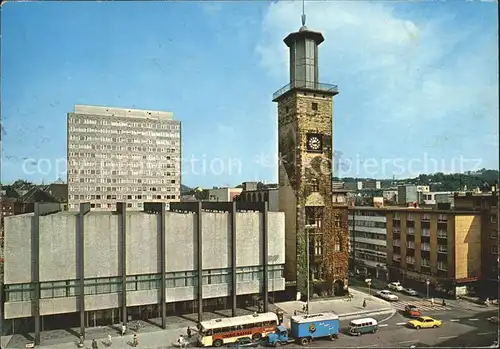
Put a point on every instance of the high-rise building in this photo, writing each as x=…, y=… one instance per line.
x=316, y=229
x=117, y=154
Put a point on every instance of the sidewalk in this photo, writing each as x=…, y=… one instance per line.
x=150, y=335
x=344, y=308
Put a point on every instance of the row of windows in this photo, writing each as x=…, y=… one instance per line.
x=118, y=168
x=373, y=236
x=121, y=156
x=129, y=189
x=162, y=125
x=102, y=155
x=75, y=145
x=369, y=224
x=70, y=288
x=149, y=139
x=104, y=178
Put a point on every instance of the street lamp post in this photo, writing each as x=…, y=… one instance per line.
x=308, y=271
x=369, y=283
x=427, y=282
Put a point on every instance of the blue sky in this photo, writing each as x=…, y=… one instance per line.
x=418, y=81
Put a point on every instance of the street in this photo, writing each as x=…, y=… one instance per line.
x=465, y=330
x=464, y=325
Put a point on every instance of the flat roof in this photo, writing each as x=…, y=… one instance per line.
x=122, y=112
x=300, y=319
x=414, y=209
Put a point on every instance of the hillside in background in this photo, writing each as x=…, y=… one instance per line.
x=441, y=181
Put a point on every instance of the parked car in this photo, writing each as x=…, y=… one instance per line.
x=244, y=343
x=412, y=311
x=493, y=319
x=395, y=286
x=410, y=292
x=387, y=295
x=424, y=322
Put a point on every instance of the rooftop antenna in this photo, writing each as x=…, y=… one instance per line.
x=303, y=14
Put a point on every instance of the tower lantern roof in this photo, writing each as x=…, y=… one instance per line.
x=303, y=34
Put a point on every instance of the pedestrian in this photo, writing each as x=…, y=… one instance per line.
x=81, y=344
x=189, y=332
x=443, y=303
x=124, y=329
x=109, y=340
x=136, y=341
x=432, y=301
x=364, y=303
x=295, y=312
x=94, y=344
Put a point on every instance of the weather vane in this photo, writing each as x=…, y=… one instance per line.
x=303, y=13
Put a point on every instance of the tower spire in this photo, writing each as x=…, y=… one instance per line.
x=303, y=13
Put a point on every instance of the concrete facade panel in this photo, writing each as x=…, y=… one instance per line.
x=102, y=301
x=276, y=237
x=216, y=240
x=249, y=235
x=58, y=240
x=181, y=240
x=15, y=310
x=18, y=264
x=180, y=294
x=101, y=247
x=142, y=244
x=58, y=305
x=467, y=247
x=143, y=297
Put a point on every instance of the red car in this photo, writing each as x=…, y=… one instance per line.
x=412, y=311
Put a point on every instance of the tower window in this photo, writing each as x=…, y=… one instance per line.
x=314, y=106
x=287, y=109
x=314, y=185
x=338, y=221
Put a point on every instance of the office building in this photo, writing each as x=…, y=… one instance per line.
x=224, y=194
x=407, y=194
x=368, y=241
x=252, y=193
x=117, y=154
x=486, y=204
x=441, y=246
x=85, y=269
x=305, y=146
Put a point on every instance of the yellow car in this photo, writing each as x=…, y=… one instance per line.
x=424, y=322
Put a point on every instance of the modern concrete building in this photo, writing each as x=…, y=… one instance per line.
x=433, y=198
x=269, y=195
x=407, y=194
x=442, y=246
x=100, y=268
x=223, y=194
x=486, y=204
x=117, y=154
x=368, y=241
x=316, y=230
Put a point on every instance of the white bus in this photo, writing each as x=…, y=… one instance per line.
x=228, y=330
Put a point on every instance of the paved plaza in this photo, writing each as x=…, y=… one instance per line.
x=151, y=335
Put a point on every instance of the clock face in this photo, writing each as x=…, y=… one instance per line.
x=314, y=143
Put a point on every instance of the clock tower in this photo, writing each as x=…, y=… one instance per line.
x=316, y=239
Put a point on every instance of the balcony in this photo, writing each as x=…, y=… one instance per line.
x=410, y=260
x=442, y=234
x=410, y=244
x=396, y=242
x=426, y=218
x=426, y=232
x=442, y=218
x=306, y=85
x=411, y=231
x=442, y=249
x=425, y=247
x=396, y=231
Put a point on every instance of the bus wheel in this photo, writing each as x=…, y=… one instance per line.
x=333, y=337
x=256, y=336
x=304, y=341
x=218, y=343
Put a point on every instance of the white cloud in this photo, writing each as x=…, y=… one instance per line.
x=404, y=69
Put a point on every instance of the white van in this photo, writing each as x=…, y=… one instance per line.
x=358, y=327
